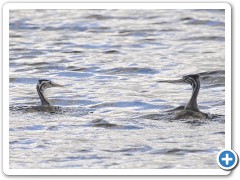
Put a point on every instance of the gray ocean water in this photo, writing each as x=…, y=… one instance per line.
x=109, y=62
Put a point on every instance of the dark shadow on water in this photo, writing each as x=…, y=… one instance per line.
x=133, y=149
x=130, y=70
x=100, y=123
x=180, y=152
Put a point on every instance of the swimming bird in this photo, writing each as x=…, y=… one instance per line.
x=191, y=110
x=45, y=106
x=42, y=85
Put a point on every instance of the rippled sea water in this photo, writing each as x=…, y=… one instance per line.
x=109, y=62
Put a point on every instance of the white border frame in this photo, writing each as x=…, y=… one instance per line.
x=9, y=6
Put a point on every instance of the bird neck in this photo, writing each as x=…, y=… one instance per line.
x=43, y=97
x=192, y=104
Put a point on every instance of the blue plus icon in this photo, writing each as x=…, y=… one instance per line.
x=227, y=159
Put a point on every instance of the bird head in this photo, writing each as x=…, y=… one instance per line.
x=44, y=84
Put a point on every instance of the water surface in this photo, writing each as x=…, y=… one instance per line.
x=109, y=62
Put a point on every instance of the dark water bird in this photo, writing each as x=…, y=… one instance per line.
x=45, y=106
x=42, y=85
x=191, y=109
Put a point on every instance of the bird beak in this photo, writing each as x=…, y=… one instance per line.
x=56, y=85
x=172, y=81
